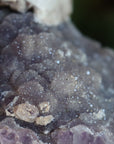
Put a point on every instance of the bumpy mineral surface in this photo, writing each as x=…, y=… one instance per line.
x=56, y=85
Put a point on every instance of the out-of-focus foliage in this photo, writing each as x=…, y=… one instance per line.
x=95, y=18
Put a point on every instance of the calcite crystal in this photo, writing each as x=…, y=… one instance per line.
x=56, y=84
x=49, y=12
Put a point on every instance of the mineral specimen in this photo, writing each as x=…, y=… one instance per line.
x=49, y=12
x=56, y=84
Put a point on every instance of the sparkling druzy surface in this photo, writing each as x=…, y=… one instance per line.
x=55, y=84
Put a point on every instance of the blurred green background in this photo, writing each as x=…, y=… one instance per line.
x=95, y=18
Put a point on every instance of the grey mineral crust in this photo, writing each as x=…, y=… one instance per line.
x=56, y=82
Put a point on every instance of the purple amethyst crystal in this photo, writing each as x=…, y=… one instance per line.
x=11, y=133
x=63, y=136
x=81, y=135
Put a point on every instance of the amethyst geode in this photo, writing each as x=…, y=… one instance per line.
x=56, y=84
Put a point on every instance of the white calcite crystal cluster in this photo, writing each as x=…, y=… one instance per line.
x=56, y=85
x=49, y=12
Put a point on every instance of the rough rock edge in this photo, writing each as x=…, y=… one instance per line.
x=49, y=12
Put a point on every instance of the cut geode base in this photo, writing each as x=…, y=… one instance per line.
x=56, y=85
